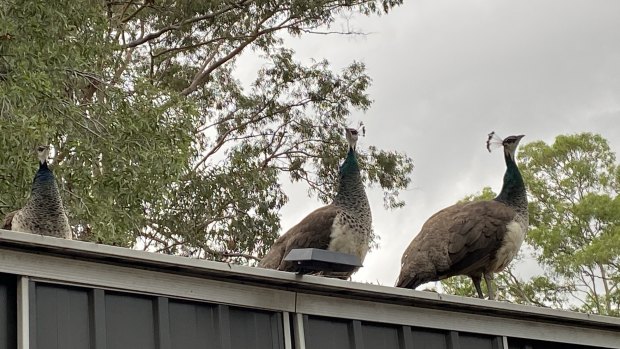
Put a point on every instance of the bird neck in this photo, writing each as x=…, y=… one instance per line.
x=513, y=190
x=44, y=174
x=44, y=194
x=350, y=165
x=350, y=189
x=44, y=184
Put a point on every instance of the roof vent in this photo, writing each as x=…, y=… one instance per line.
x=311, y=260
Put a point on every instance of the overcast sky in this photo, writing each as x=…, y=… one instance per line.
x=447, y=72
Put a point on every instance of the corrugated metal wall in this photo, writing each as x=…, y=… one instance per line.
x=69, y=317
x=519, y=343
x=333, y=333
x=65, y=317
x=329, y=333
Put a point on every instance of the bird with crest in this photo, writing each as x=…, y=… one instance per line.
x=343, y=226
x=475, y=239
x=44, y=212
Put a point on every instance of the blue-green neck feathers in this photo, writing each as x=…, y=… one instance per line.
x=44, y=194
x=349, y=166
x=350, y=189
x=44, y=174
x=513, y=189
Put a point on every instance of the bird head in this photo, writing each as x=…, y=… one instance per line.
x=43, y=153
x=352, y=134
x=510, y=144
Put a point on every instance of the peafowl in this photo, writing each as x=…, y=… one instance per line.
x=343, y=226
x=475, y=239
x=43, y=213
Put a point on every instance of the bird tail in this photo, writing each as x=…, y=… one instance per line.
x=273, y=258
x=270, y=261
x=412, y=280
x=8, y=221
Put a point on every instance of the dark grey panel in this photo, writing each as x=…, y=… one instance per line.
x=328, y=333
x=423, y=338
x=378, y=336
x=162, y=323
x=468, y=341
x=193, y=325
x=518, y=343
x=8, y=311
x=129, y=322
x=405, y=337
x=96, y=298
x=61, y=317
x=254, y=329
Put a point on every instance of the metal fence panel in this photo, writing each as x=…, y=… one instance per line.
x=8, y=312
x=129, y=321
x=377, y=336
x=327, y=333
x=68, y=317
x=254, y=329
x=519, y=343
x=423, y=338
x=193, y=325
x=61, y=318
x=476, y=342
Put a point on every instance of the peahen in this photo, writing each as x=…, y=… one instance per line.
x=43, y=213
x=343, y=226
x=475, y=239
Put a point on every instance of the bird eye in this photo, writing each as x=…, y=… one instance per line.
x=41, y=148
x=354, y=132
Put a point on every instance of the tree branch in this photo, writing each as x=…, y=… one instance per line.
x=188, y=47
x=183, y=23
x=605, y=286
x=519, y=287
x=131, y=16
x=222, y=138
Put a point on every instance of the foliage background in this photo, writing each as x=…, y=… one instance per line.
x=156, y=143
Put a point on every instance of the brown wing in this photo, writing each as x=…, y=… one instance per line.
x=273, y=258
x=312, y=232
x=458, y=240
x=477, y=232
x=8, y=220
x=418, y=263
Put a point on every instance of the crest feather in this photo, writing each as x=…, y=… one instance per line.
x=494, y=141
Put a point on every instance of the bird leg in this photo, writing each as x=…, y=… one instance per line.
x=488, y=279
x=476, y=279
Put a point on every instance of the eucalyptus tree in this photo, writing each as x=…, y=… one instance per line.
x=156, y=141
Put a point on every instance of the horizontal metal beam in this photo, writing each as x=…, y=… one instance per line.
x=78, y=272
